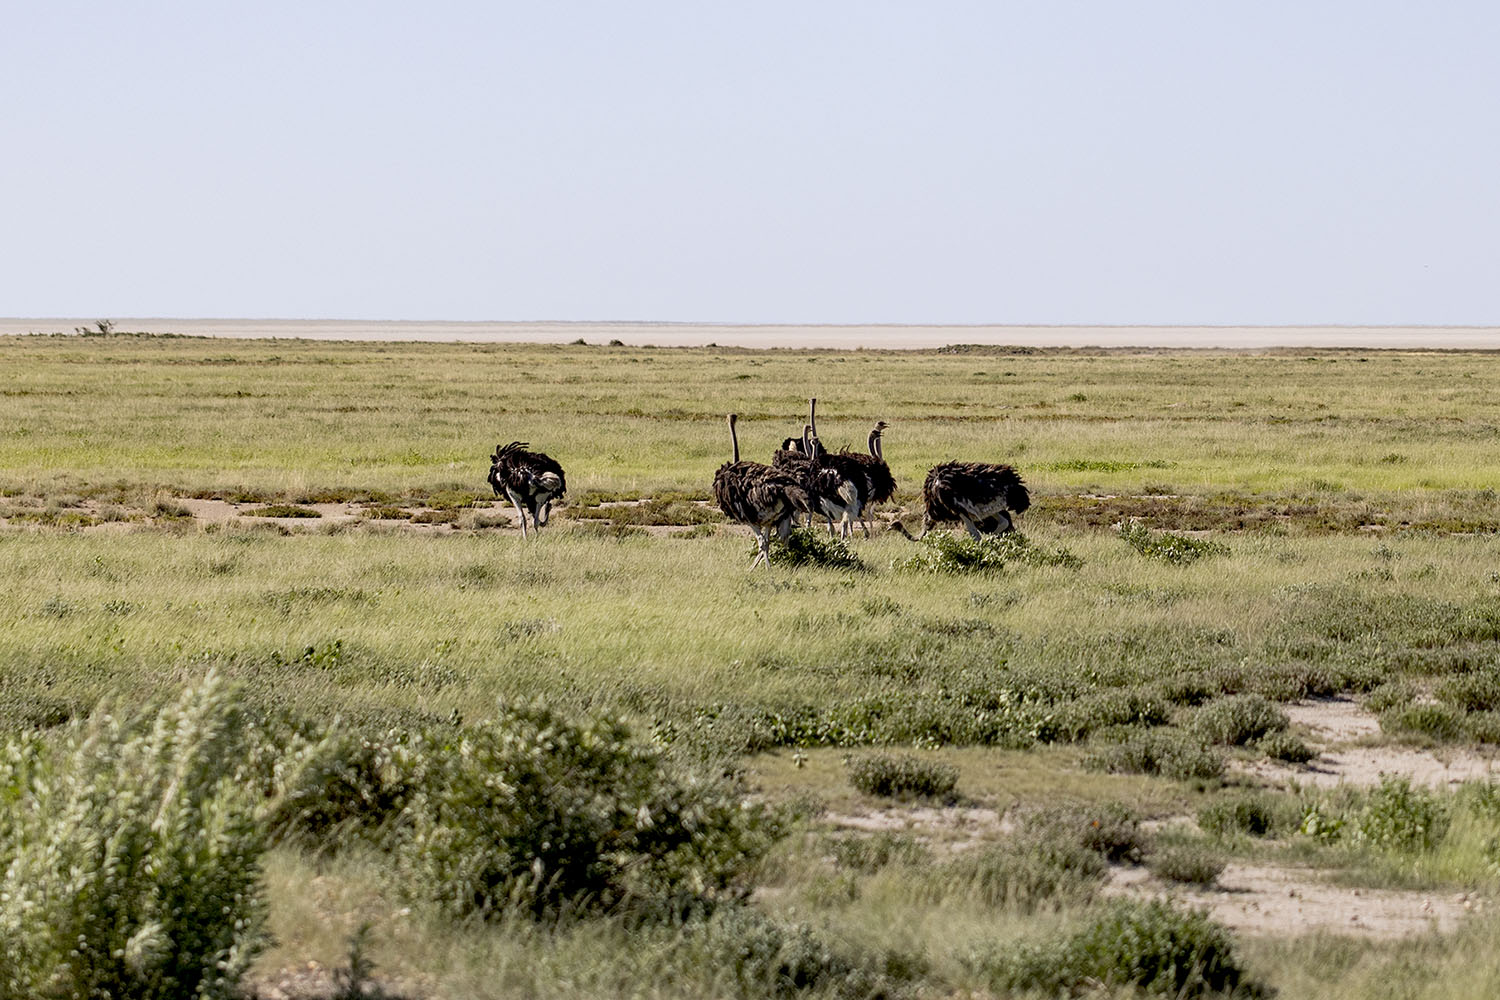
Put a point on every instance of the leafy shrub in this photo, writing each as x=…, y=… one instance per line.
x=1437, y=722
x=1111, y=829
x=902, y=776
x=810, y=547
x=1020, y=874
x=1149, y=945
x=1322, y=823
x=1238, y=719
x=1190, y=864
x=538, y=814
x=1286, y=747
x=943, y=552
x=130, y=854
x=1169, y=753
x=1167, y=547
x=1398, y=817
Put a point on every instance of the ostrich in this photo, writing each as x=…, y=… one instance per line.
x=793, y=459
x=851, y=489
x=982, y=497
x=530, y=479
x=757, y=495
x=880, y=485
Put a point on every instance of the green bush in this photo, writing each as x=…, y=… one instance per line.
x=1167, y=547
x=902, y=776
x=1189, y=864
x=1435, y=722
x=538, y=814
x=1398, y=817
x=130, y=853
x=1238, y=719
x=812, y=547
x=1286, y=747
x=1148, y=945
x=943, y=552
x=1167, y=752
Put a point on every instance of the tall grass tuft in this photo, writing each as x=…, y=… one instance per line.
x=131, y=855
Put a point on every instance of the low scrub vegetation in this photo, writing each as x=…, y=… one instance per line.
x=902, y=776
x=942, y=552
x=1168, y=547
x=1152, y=946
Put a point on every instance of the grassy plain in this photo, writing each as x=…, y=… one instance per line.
x=1351, y=492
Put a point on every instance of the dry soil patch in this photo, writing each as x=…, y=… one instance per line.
x=1273, y=901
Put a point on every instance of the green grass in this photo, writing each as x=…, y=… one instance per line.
x=1347, y=497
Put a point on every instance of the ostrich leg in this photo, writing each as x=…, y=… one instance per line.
x=515, y=498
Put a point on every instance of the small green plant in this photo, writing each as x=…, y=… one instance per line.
x=1167, y=547
x=945, y=552
x=1149, y=945
x=1189, y=864
x=1238, y=719
x=902, y=776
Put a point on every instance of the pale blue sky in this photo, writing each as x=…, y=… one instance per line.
x=1042, y=162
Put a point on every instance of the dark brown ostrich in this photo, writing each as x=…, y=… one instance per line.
x=981, y=497
x=846, y=473
x=757, y=495
x=530, y=479
x=880, y=485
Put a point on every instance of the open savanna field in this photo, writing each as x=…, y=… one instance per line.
x=1249, y=583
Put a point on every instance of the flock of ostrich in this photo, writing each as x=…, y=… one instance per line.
x=805, y=480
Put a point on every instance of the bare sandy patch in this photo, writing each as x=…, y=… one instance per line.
x=1339, y=724
x=1267, y=900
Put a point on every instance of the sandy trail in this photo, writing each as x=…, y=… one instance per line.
x=874, y=336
